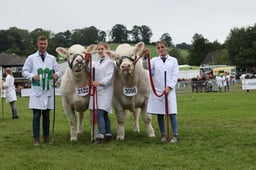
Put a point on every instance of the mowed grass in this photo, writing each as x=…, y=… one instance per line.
x=217, y=131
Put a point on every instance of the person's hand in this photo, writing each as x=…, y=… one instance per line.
x=167, y=90
x=95, y=83
x=55, y=76
x=36, y=77
x=145, y=53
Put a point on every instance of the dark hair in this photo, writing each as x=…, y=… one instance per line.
x=42, y=38
x=162, y=42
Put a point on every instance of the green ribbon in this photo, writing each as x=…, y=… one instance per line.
x=45, y=77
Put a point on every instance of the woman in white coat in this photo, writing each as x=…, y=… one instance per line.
x=104, y=73
x=156, y=105
x=10, y=92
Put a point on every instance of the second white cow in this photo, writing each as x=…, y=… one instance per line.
x=131, y=88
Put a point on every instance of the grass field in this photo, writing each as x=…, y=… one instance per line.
x=217, y=131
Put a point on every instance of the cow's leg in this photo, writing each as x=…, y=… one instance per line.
x=121, y=117
x=71, y=118
x=80, y=122
x=94, y=127
x=147, y=118
x=136, y=126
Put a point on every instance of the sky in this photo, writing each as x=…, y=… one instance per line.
x=213, y=19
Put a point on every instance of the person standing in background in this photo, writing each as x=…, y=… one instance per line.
x=10, y=92
x=41, y=68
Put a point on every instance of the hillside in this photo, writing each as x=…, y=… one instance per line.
x=152, y=48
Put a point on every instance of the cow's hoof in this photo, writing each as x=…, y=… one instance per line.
x=79, y=132
x=73, y=139
x=136, y=130
x=151, y=135
x=120, y=138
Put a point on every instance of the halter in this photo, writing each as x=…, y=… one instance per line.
x=70, y=64
x=134, y=61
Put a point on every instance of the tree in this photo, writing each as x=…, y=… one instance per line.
x=176, y=53
x=91, y=35
x=14, y=40
x=146, y=34
x=183, y=46
x=222, y=58
x=200, y=48
x=102, y=36
x=241, y=44
x=136, y=34
x=119, y=33
x=61, y=39
x=167, y=38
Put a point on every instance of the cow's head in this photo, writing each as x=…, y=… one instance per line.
x=125, y=57
x=75, y=55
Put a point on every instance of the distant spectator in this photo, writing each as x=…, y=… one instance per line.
x=10, y=92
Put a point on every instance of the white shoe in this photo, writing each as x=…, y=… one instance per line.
x=174, y=139
x=163, y=139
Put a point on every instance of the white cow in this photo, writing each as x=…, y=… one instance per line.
x=131, y=88
x=75, y=86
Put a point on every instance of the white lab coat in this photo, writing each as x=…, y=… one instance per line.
x=9, y=87
x=104, y=73
x=219, y=81
x=40, y=99
x=156, y=105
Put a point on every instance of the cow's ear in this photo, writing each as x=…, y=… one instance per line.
x=139, y=48
x=62, y=51
x=111, y=54
x=91, y=48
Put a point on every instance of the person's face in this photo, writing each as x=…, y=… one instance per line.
x=162, y=50
x=101, y=50
x=42, y=45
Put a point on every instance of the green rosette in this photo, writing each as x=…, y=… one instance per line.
x=46, y=78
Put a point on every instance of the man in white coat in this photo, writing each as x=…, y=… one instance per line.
x=41, y=68
x=104, y=74
x=156, y=105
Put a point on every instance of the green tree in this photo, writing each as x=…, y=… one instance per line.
x=241, y=44
x=183, y=46
x=136, y=34
x=200, y=48
x=222, y=58
x=102, y=35
x=146, y=34
x=167, y=38
x=14, y=40
x=119, y=33
x=176, y=53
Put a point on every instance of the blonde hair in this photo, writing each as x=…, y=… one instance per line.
x=162, y=42
x=8, y=70
x=104, y=44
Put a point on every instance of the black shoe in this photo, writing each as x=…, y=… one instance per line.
x=15, y=117
x=108, y=138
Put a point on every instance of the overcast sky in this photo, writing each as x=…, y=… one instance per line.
x=180, y=18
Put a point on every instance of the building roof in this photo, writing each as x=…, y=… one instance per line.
x=8, y=60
